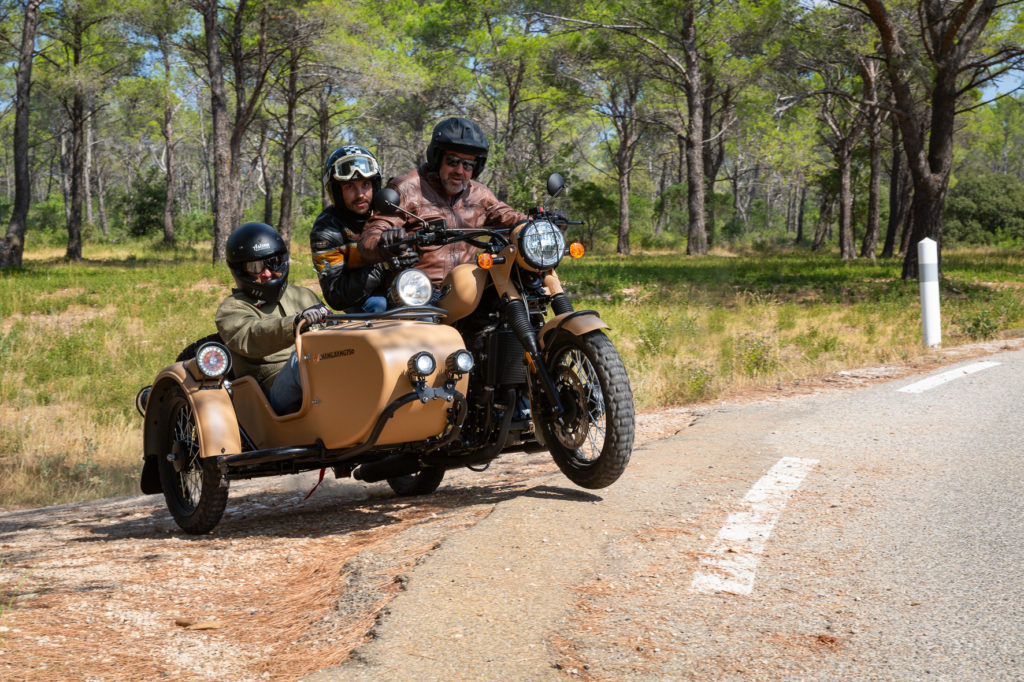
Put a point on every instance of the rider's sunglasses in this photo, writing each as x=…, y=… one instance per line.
x=273, y=263
x=453, y=162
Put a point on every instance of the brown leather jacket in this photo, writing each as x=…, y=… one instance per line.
x=422, y=194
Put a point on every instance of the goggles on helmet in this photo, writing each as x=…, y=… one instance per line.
x=354, y=166
x=272, y=263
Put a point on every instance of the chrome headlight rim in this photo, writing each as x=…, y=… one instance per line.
x=541, y=244
x=213, y=360
x=411, y=287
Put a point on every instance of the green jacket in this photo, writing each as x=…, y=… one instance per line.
x=261, y=339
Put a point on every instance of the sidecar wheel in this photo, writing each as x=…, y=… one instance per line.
x=594, y=440
x=424, y=482
x=195, y=492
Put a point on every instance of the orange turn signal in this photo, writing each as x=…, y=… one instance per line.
x=485, y=260
x=576, y=250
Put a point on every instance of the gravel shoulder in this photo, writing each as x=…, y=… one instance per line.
x=512, y=573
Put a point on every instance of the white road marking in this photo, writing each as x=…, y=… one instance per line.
x=730, y=564
x=945, y=377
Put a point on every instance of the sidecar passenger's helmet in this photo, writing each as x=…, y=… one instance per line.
x=348, y=163
x=457, y=135
x=252, y=247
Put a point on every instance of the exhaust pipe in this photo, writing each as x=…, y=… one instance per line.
x=389, y=467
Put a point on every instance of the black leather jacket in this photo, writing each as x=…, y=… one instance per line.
x=346, y=281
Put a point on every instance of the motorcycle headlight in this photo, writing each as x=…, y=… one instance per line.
x=422, y=365
x=213, y=360
x=541, y=244
x=411, y=287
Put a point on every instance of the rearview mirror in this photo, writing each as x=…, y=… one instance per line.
x=556, y=183
x=388, y=200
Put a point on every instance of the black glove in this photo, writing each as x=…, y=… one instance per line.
x=557, y=216
x=407, y=259
x=389, y=241
x=314, y=314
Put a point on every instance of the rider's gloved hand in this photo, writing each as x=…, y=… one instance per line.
x=314, y=314
x=557, y=216
x=389, y=244
x=408, y=259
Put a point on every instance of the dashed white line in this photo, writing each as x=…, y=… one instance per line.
x=945, y=377
x=730, y=564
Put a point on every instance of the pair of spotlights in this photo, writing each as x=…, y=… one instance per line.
x=422, y=364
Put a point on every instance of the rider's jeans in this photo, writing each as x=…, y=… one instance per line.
x=286, y=391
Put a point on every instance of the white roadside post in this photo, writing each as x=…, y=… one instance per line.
x=928, y=276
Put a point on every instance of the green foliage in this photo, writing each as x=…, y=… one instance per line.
x=143, y=203
x=985, y=206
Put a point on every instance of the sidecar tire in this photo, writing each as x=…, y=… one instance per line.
x=424, y=482
x=606, y=413
x=197, y=495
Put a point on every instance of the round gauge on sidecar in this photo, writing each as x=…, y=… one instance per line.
x=213, y=360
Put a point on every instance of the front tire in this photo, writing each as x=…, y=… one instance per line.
x=423, y=482
x=593, y=442
x=194, y=489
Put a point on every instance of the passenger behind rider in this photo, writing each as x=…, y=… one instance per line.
x=258, y=321
x=445, y=188
x=351, y=179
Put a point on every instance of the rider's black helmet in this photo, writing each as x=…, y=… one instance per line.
x=457, y=135
x=252, y=246
x=347, y=163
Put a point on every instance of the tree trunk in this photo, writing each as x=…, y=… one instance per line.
x=288, y=150
x=844, y=160
x=87, y=170
x=78, y=123
x=697, y=236
x=223, y=191
x=623, y=242
x=898, y=203
x=828, y=202
x=800, y=215
x=12, y=248
x=102, y=202
x=168, y=131
x=870, y=243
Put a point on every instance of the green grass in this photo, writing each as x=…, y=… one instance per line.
x=77, y=341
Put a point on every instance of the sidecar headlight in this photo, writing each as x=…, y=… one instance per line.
x=459, y=362
x=541, y=244
x=411, y=287
x=422, y=365
x=213, y=360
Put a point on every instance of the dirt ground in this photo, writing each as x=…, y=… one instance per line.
x=285, y=586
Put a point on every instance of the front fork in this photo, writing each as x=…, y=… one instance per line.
x=519, y=319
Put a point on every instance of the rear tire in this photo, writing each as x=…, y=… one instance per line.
x=593, y=443
x=423, y=482
x=195, y=492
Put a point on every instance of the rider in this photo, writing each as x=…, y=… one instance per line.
x=258, y=321
x=443, y=188
x=351, y=179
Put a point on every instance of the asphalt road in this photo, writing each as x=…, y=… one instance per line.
x=898, y=553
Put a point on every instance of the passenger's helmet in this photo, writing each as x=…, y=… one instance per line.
x=350, y=162
x=254, y=245
x=457, y=135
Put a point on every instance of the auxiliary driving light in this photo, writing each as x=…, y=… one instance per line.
x=459, y=362
x=213, y=360
x=422, y=364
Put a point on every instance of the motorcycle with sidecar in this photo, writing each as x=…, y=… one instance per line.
x=404, y=395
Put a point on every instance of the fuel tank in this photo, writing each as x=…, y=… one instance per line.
x=350, y=373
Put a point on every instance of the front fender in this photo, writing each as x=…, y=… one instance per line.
x=211, y=405
x=577, y=323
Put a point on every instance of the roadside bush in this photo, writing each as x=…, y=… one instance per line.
x=984, y=207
